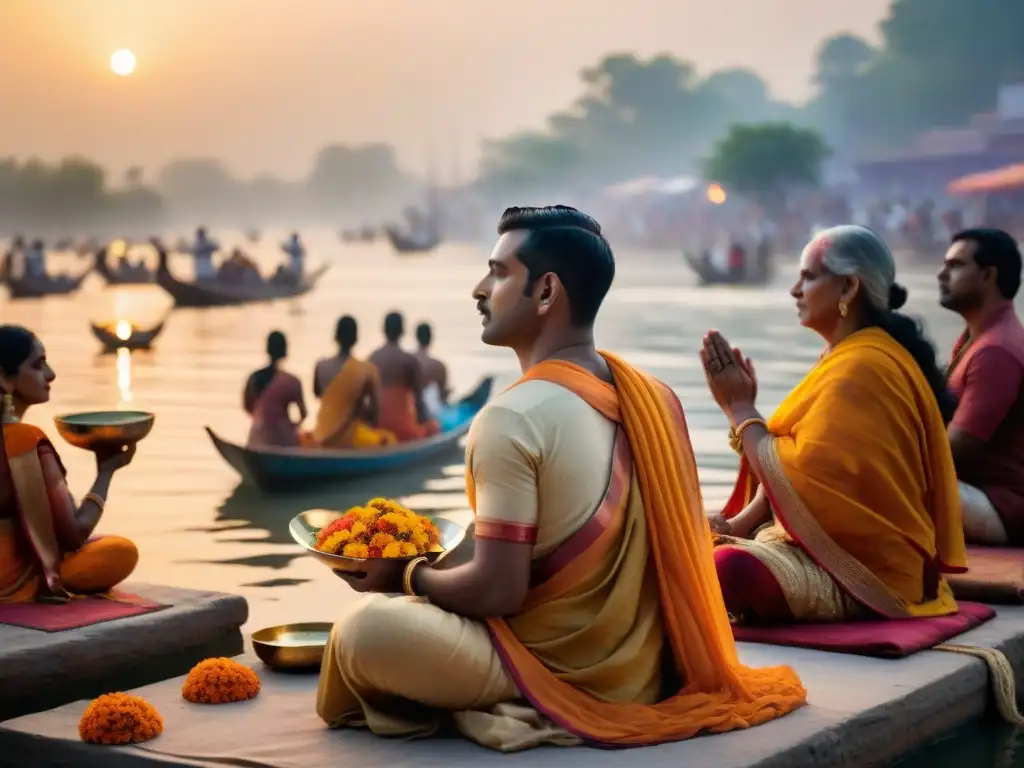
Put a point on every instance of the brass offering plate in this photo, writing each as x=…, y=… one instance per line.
x=104, y=429
x=302, y=526
x=292, y=646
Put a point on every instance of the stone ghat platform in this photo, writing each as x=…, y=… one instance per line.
x=862, y=712
x=41, y=670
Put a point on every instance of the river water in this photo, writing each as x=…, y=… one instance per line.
x=183, y=506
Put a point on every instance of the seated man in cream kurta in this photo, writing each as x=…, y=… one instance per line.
x=588, y=611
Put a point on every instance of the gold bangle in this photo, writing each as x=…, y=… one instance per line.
x=96, y=499
x=736, y=433
x=407, y=577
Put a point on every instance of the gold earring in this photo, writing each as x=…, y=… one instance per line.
x=9, y=415
x=842, y=309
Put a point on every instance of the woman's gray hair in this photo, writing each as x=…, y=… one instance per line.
x=850, y=250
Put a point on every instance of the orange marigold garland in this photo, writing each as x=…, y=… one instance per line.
x=118, y=718
x=382, y=528
x=218, y=681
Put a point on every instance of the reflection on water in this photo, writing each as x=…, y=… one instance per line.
x=124, y=373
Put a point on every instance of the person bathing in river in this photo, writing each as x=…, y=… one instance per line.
x=402, y=411
x=589, y=610
x=47, y=549
x=854, y=464
x=433, y=373
x=268, y=397
x=979, y=279
x=349, y=392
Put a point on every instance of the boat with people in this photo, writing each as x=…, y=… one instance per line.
x=125, y=273
x=757, y=273
x=216, y=293
x=281, y=469
x=408, y=244
x=32, y=287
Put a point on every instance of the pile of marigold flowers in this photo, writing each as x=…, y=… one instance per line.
x=382, y=528
x=218, y=681
x=118, y=718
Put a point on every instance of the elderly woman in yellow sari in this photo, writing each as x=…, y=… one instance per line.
x=853, y=472
x=46, y=545
x=349, y=392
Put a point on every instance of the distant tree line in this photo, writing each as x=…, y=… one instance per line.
x=355, y=183
x=71, y=196
x=939, y=63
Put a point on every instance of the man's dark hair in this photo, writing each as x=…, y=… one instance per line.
x=394, y=326
x=995, y=248
x=424, y=334
x=346, y=332
x=568, y=243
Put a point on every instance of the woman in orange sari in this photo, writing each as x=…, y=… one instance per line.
x=349, y=392
x=850, y=486
x=46, y=546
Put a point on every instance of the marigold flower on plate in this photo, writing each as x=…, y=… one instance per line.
x=382, y=528
x=382, y=540
x=358, y=551
x=335, y=541
x=118, y=718
x=218, y=681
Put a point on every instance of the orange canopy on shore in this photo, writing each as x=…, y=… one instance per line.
x=1000, y=180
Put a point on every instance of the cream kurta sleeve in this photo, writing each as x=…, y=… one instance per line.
x=503, y=453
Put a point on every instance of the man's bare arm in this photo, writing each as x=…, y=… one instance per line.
x=493, y=584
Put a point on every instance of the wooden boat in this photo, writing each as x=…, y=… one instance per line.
x=406, y=244
x=133, y=275
x=211, y=293
x=282, y=469
x=38, y=287
x=707, y=274
x=107, y=335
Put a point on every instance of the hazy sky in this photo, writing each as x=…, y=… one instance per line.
x=263, y=84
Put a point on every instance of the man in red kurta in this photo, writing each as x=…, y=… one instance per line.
x=979, y=279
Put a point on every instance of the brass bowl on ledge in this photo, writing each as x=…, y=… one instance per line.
x=104, y=429
x=304, y=524
x=292, y=646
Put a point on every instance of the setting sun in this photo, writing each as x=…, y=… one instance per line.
x=122, y=62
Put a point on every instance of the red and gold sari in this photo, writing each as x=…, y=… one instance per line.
x=860, y=478
x=35, y=558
